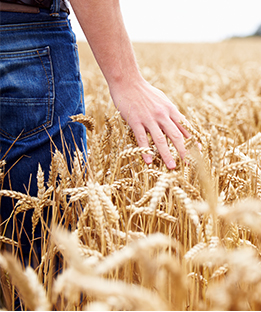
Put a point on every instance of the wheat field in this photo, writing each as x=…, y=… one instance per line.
x=143, y=237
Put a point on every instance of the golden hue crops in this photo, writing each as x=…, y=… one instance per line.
x=149, y=238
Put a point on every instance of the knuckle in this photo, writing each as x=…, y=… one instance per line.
x=159, y=112
x=177, y=136
x=142, y=139
x=160, y=139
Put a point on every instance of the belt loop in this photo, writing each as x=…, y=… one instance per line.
x=55, y=8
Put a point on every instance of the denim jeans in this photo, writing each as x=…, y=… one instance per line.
x=40, y=88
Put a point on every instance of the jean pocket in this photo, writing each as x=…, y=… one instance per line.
x=26, y=92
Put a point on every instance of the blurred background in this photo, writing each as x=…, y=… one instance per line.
x=187, y=20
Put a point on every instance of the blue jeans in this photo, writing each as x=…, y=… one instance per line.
x=40, y=88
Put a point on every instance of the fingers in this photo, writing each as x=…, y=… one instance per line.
x=172, y=132
x=162, y=146
x=182, y=129
x=142, y=141
x=176, y=117
x=176, y=137
x=161, y=118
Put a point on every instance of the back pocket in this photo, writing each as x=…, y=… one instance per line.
x=26, y=92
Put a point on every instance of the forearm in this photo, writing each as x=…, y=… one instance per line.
x=102, y=23
x=145, y=108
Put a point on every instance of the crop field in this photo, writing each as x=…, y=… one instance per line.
x=144, y=237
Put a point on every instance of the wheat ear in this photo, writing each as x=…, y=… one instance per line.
x=29, y=288
x=88, y=122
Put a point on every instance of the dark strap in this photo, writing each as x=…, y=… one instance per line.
x=44, y=4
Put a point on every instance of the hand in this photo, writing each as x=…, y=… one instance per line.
x=146, y=108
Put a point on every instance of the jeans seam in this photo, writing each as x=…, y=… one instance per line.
x=48, y=84
x=31, y=26
x=18, y=56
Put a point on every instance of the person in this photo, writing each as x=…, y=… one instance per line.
x=141, y=105
x=41, y=88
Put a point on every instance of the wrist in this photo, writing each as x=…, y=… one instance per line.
x=125, y=80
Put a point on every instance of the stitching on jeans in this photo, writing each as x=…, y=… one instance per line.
x=48, y=84
x=35, y=23
x=24, y=53
x=44, y=125
x=27, y=28
x=29, y=101
x=32, y=26
x=20, y=56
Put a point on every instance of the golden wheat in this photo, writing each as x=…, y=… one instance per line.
x=143, y=237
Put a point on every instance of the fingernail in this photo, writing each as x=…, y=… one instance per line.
x=147, y=159
x=171, y=164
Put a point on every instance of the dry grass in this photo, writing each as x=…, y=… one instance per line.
x=142, y=237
